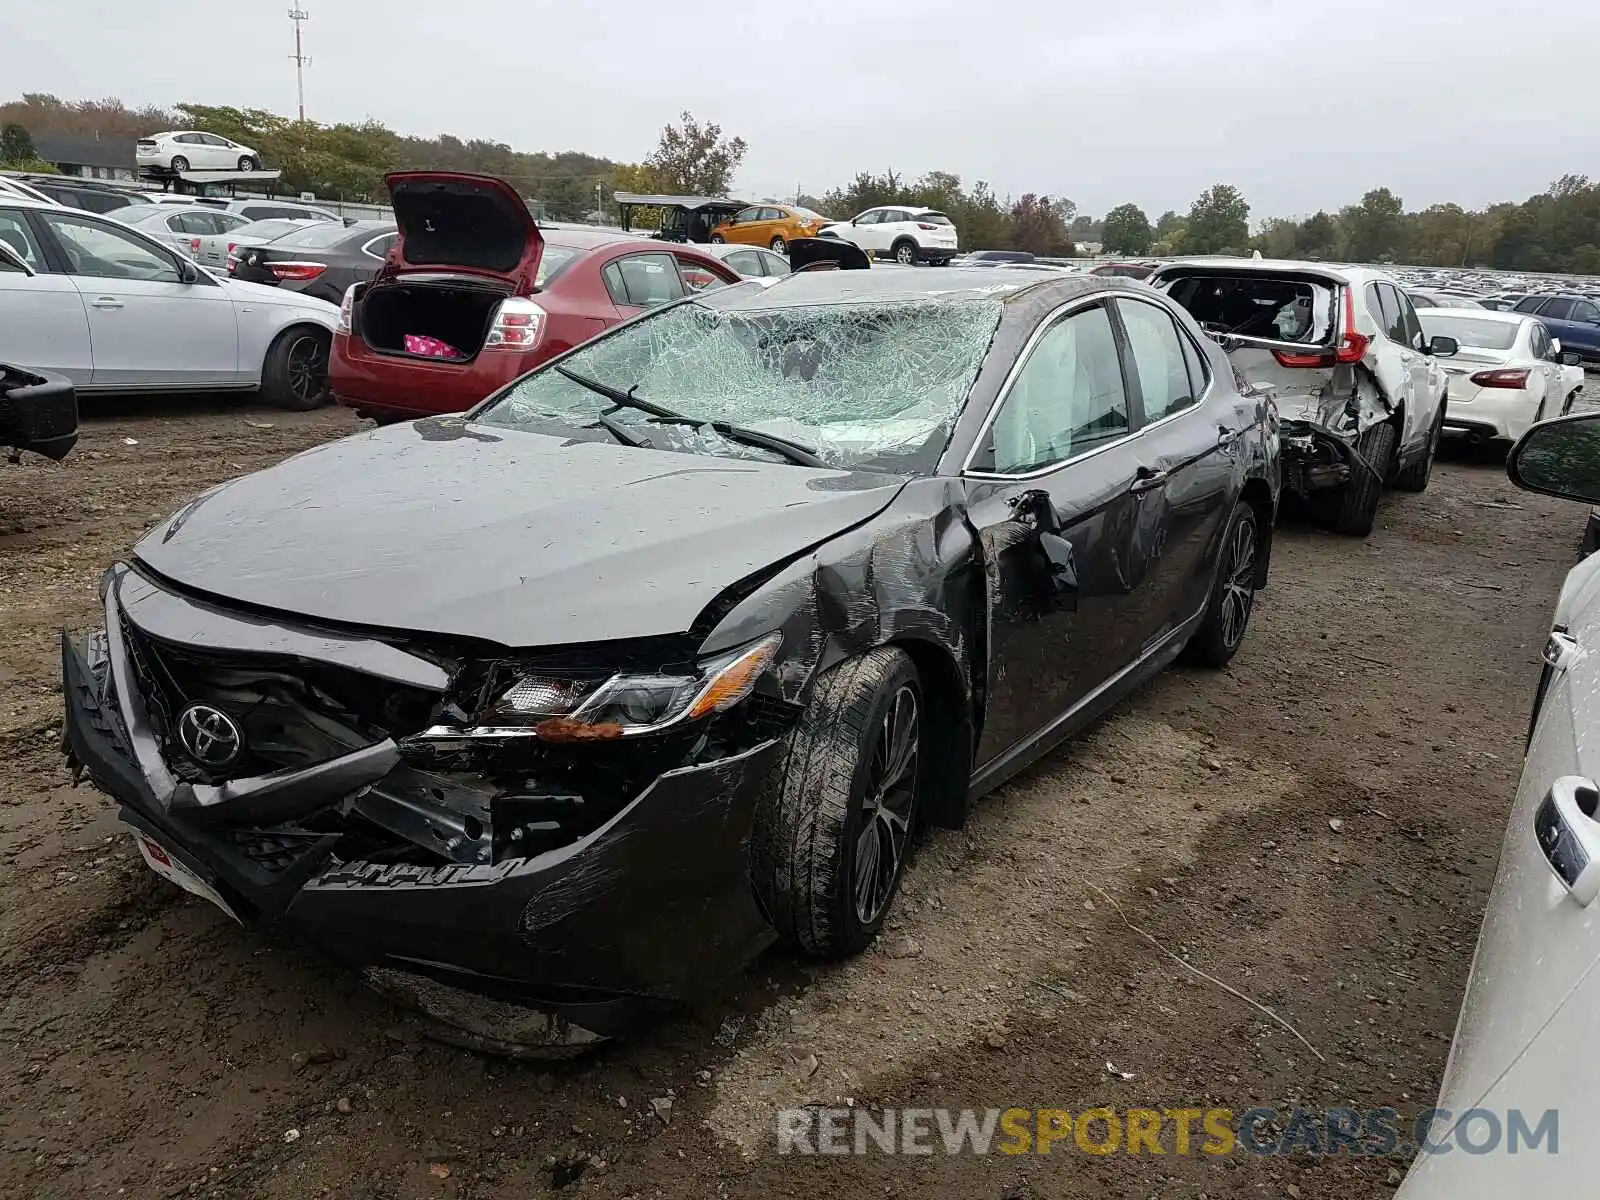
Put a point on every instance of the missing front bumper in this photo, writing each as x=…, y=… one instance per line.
x=652, y=908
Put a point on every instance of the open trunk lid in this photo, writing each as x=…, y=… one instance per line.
x=464, y=224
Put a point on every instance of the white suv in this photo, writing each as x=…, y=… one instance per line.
x=906, y=234
x=1358, y=385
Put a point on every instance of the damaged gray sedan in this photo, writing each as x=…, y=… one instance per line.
x=555, y=714
x=1355, y=377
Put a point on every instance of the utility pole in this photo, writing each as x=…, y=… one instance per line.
x=299, y=15
x=599, y=201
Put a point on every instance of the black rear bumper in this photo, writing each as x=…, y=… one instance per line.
x=37, y=412
x=653, y=908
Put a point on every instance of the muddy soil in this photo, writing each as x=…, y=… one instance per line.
x=1316, y=826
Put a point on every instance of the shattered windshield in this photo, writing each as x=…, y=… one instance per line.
x=865, y=385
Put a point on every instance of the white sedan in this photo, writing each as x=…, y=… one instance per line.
x=184, y=229
x=189, y=150
x=115, y=310
x=1508, y=374
x=1525, y=1043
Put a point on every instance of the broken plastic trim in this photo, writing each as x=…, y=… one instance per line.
x=561, y=710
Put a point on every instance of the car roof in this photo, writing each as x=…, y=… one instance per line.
x=594, y=239
x=880, y=286
x=1347, y=274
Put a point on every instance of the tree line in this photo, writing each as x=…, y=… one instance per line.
x=1556, y=230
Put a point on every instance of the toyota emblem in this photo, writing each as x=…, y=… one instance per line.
x=209, y=735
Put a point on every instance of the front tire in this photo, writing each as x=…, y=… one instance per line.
x=295, y=374
x=905, y=253
x=1415, y=477
x=779, y=246
x=246, y=163
x=835, y=823
x=1566, y=405
x=1233, y=595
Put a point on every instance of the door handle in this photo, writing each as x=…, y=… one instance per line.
x=1227, y=437
x=106, y=302
x=1147, y=481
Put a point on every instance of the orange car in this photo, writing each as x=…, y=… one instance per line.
x=770, y=225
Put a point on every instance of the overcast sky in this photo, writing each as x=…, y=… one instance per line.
x=1301, y=104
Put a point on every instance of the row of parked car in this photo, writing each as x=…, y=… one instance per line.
x=893, y=535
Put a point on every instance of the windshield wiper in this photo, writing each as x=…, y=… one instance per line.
x=625, y=399
x=617, y=430
x=796, y=453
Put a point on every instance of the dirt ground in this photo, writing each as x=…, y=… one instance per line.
x=1316, y=826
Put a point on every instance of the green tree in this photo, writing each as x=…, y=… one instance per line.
x=1127, y=230
x=1219, y=222
x=15, y=145
x=1317, y=238
x=696, y=159
x=1276, y=237
x=1375, y=229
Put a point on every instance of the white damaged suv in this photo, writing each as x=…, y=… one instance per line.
x=1359, y=388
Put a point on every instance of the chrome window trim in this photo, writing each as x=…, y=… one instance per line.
x=1065, y=310
x=366, y=247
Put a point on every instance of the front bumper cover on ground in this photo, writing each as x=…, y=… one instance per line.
x=652, y=908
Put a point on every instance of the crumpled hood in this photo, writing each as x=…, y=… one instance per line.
x=516, y=538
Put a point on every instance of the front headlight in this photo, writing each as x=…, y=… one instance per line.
x=627, y=705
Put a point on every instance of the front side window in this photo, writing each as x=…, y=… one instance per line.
x=1068, y=398
x=1539, y=341
x=103, y=253
x=864, y=385
x=746, y=262
x=1583, y=310
x=698, y=277
x=871, y=217
x=1157, y=350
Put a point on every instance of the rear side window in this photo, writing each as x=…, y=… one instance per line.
x=99, y=202
x=649, y=279
x=379, y=247
x=934, y=218
x=1157, y=350
x=1559, y=309
x=775, y=264
x=746, y=262
x=14, y=232
x=1385, y=306
x=697, y=277
x=1419, y=300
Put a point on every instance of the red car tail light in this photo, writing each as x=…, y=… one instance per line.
x=518, y=325
x=1352, y=347
x=297, y=271
x=922, y=225
x=347, y=308
x=1515, y=377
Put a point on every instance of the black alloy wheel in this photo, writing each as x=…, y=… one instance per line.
x=888, y=805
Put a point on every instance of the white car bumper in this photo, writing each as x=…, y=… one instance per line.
x=1497, y=413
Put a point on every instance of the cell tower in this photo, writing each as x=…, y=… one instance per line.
x=299, y=15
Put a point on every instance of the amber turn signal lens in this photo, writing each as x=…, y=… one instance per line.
x=733, y=683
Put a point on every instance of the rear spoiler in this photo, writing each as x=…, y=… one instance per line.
x=826, y=254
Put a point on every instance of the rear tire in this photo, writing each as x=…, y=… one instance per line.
x=1566, y=405
x=295, y=374
x=1353, y=508
x=1415, y=477
x=779, y=246
x=836, y=819
x=180, y=164
x=718, y=240
x=1232, y=595
x=905, y=253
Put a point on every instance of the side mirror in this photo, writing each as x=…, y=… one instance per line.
x=1565, y=827
x=1571, y=358
x=1560, y=458
x=1443, y=347
x=188, y=272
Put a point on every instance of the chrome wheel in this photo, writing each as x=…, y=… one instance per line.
x=905, y=254
x=888, y=806
x=308, y=367
x=779, y=246
x=1239, y=587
